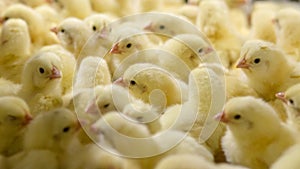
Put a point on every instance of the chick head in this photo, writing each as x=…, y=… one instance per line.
x=291, y=97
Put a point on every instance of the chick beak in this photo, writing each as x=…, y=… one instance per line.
x=120, y=82
x=149, y=27
x=27, y=119
x=208, y=50
x=2, y=20
x=243, y=64
x=95, y=130
x=115, y=49
x=54, y=30
x=281, y=96
x=49, y=1
x=55, y=73
x=221, y=117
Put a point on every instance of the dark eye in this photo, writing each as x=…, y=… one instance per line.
x=94, y=28
x=66, y=129
x=11, y=118
x=186, y=1
x=162, y=27
x=291, y=101
x=200, y=50
x=132, y=82
x=236, y=117
x=256, y=61
x=62, y=30
x=6, y=18
x=106, y=105
x=41, y=70
x=128, y=45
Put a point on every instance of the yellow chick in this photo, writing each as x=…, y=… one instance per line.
x=105, y=6
x=73, y=34
x=41, y=82
x=51, y=130
x=79, y=8
x=291, y=99
x=15, y=49
x=288, y=159
x=93, y=71
x=97, y=22
x=68, y=62
x=214, y=22
x=262, y=26
x=143, y=80
x=39, y=34
x=255, y=135
x=14, y=116
x=260, y=61
x=34, y=3
x=288, y=37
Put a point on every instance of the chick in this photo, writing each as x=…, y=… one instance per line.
x=39, y=35
x=143, y=80
x=68, y=62
x=72, y=33
x=287, y=159
x=13, y=57
x=14, y=116
x=41, y=82
x=258, y=57
x=290, y=97
x=214, y=22
x=286, y=20
x=93, y=71
x=187, y=161
x=52, y=130
x=97, y=22
x=262, y=26
x=255, y=135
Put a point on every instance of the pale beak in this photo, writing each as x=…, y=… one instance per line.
x=55, y=73
x=120, y=82
x=54, y=30
x=221, y=117
x=2, y=20
x=28, y=118
x=243, y=64
x=208, y=50
x=281, y=96
x=49, y=1
x=149, y=27
x=115, y=49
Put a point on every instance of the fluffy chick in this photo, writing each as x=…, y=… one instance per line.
x=93, y=71
x=14, y=116
x=8, y=88
x=41, y=82
x=288, y=37
x=255, y=135
x=51, y=130
x=143, y=80
x=214, y=22
x=73, y=34
x=260, y=62
x=291, y=99
x=97, y=22
x=39, y=34
x=15, y=49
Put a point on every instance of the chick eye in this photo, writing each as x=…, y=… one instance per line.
x=41, y=70
x=256, y=61
x=200, y=50
x=132, y=82
x=62, y=30
x=186, y=1
x=66, y=129
x=94, y=28
x=106, y=105
x=237, y=117
x=11, y=118
x=162, y=27
x=291, y=101
x=6, y=18
x=128, y=45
